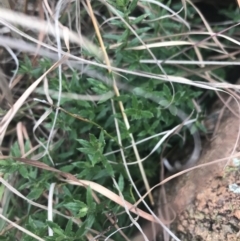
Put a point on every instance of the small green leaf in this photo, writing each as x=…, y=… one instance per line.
x=167, y=91
x=111, y=36
x=75, y=206
x=90, y=220
x=124, y=36
x=15, y=151
x=94, y=158
x=121, y=4
x=146, y=114
x=85, y=150
x=92, y=138
x=4, y=162
x=121, y=182
x=84, y=103
x=66, y=191
x=139, y=19
x=89, y=200
x=164, y=103
x=23, y=171
x=193, y=129
x=83, y=142
x=101, y=174
x=82, y=230
x=69, y=226
x=35, y=193
x=107, y=165
x=173, y=109
x=67, y=168
x=101, y=138
x=83, y=212
x=56, y=229
x=138, y=91
x=138, y=114
x=142, y=30
x=132, y=5
x=201, y=127
x=134, y=102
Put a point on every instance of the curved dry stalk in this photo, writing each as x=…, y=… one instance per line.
x=6, y=92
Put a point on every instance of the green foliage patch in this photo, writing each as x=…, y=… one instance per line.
x=86, y=144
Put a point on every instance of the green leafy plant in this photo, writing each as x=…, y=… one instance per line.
x=90, y=139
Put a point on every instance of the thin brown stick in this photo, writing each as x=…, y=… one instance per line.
x=116, y=90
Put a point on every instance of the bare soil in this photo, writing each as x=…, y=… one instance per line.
x=207, y=204
x=206, y=201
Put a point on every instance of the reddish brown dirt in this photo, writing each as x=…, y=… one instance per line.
x=207, y=209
